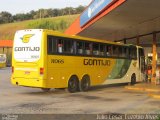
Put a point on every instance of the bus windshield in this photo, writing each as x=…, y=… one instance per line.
x=27, y=45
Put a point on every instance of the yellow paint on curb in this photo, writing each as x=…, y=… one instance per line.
x=152, y=90
x=154, y=96
x=148, y=89
x=135, y=88
x=142, y=89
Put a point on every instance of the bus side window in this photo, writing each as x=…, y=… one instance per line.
x=102, y=50
x=120, y=52
x=60, y=45
x=96, y=49
x=51, y=44
x=133, y=52
x=125, y=52
x=74, y=48
x=115, y=51
x=108, y=50
x=79, y=47
x=88, y=48
x=68, y=46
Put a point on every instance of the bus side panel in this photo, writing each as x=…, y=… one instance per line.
x=120, y=69
x=117, y=76
x=61, y=68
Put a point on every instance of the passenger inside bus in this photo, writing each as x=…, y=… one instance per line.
x=109, y=51
x=96, y=49
x=88, y=48
x=60, y=46
x=87, y=51
x=102, y=49
x=73, y=47
x=79, y=47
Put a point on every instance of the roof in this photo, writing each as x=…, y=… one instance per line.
x=118, y=20
x=60, y=34
x=6, y=43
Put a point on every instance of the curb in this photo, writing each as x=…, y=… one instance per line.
x=154, y=96
x=135, y=88
x=152, y=90
x=142, y=89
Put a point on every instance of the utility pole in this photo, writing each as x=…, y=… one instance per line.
x=69, y=8
x=40, y=13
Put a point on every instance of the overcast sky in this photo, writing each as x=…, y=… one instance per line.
x=23, y=6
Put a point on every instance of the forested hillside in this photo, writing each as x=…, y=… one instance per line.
x=60, y=23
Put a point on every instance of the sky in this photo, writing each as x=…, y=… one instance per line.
x=24, y=6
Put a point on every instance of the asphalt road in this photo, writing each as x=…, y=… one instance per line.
x=99, y=100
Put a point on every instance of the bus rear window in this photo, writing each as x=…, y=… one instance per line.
x=27, y=45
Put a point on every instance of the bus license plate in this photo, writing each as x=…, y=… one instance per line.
x=27, y=72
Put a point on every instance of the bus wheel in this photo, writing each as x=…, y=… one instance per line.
x=85, y=83
x=45, y=89
x=133, y=79
x=73, y=84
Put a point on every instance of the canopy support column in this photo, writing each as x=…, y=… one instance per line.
x=154, y=59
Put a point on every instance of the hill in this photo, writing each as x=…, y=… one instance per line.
x=61, y=23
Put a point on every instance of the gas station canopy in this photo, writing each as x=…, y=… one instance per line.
x=117, y=20
x=6, y=43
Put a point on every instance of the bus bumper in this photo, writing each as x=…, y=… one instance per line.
x=2, y=65
x=28, y=82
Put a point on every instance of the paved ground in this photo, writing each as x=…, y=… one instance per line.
x=99, y=100
x=152, y=89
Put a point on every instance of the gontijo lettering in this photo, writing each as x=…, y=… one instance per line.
x=27, y=49
x=97, y=62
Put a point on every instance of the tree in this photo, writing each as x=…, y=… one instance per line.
x=32, y=13
x=80, y=9
x=6, y=17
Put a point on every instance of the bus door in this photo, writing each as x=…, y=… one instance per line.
x=141, y=62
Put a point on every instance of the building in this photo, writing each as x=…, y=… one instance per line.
x=127, y=21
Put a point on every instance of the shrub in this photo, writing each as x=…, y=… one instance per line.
x=59, y=25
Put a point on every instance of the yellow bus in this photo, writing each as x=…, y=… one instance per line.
x=47, y=59
x=2, y=60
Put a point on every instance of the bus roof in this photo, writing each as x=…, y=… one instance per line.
x=59, y=34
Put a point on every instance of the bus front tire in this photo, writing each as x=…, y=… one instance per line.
x=85, y=83
x=73, y=84
x=45, y=89
x=133, y=79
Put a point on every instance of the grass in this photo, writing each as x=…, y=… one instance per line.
x=61, y=23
